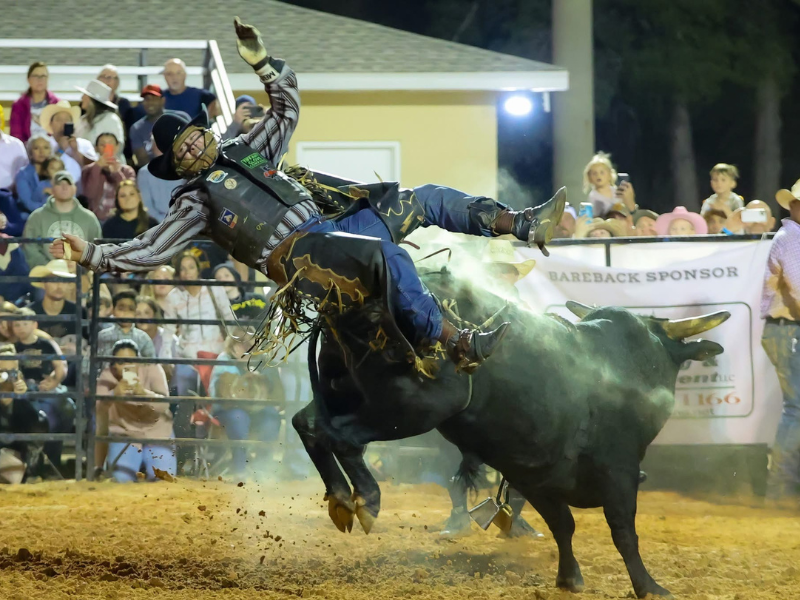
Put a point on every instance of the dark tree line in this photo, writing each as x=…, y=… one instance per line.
x=679, y=86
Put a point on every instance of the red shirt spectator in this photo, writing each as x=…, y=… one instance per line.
x=25, y=111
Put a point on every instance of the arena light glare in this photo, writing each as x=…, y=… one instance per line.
x=519, y=106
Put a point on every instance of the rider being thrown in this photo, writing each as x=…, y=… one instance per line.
x=237, y=196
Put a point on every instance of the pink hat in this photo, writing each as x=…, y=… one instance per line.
x=680, y=212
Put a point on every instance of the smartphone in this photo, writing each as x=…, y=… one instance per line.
x=69, y=129
x=108, y=152
x=256, y=112
x=623, y=177
x=586, y=209
x=754, y=215
x=129, y=375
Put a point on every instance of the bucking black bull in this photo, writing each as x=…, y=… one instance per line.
x=564, y=411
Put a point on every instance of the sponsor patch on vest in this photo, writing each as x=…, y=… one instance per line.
x=254, y=160
x=229, y=218
x=231, y=183
x=217, y=176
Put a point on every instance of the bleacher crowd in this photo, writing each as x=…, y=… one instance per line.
x=81, y=170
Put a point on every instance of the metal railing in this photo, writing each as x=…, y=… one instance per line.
x=63, y=78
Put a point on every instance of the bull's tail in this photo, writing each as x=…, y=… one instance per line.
x=470, y=472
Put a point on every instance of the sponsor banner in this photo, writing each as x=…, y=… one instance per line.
x=733, y=398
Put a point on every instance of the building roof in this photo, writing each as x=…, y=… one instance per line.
x=327, y=51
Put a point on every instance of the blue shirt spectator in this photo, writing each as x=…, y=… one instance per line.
x=12, y=221
x=181, y=97
x=13, y=264
x=32, y=181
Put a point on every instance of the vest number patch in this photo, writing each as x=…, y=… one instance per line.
x=253, y=160
x=229, y=218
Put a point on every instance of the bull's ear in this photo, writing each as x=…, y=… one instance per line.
x=700, y=350
x=578, y=309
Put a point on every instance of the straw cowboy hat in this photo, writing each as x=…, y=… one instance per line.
x=50, y=111
x=55, y=268
x=785, y=197
x=680, y=212
x=97, y=90
x=502, y=252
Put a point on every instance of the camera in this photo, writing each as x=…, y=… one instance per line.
x=10, y=375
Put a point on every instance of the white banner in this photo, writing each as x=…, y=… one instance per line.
x=733, y=398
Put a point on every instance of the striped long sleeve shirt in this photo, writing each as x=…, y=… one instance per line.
x=189, y=215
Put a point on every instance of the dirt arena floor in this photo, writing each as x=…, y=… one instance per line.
x=195, y=540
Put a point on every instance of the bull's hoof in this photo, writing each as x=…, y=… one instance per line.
x=366, y=516
x=341, y=511
x=521, y=528
x=457, y=524
x=572, y=584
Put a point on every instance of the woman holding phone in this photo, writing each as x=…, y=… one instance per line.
x=102, y=178
x=133, y=419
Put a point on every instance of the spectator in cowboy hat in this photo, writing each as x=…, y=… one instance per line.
x=680, y=222
x=141, y=131
x=600, y=228
x=644, y=222
x=736, y=223
x=501, y=264
x=621, y=213
x=100, y=115
x=74, y=151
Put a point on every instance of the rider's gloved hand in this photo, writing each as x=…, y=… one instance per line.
x=251, y=48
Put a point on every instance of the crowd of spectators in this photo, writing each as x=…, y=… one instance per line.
x=83, y=170
x=611, y=209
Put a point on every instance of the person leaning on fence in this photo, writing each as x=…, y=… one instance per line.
x=54, y=302
x=644, y=222
x=62, y=213
x=736, y=225
x=17, y=415
x=133, y=419
x=599, y=182
x=44, y=376
x=124, y=307
x=780, y=309
x=236, y=381
x=680, y=222
x=566, y=226
x=715, y=221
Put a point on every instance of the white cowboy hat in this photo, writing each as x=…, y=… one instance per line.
x=50, y=111
x=12, y=469
x=785, y=197
x=97, y=90
x=55, y=268
x=501, y=251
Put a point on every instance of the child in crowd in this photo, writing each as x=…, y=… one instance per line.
x=715, y=220
x=680, y=222
x=33, y=181
x=723, y=182
x=599, y=178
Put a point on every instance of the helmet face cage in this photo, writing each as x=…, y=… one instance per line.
x=185, y=163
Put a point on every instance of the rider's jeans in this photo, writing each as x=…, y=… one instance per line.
x=410, y=297
x=444, y=207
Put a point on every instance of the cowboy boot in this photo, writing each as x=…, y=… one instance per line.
x=468, y=348
x=534, y=225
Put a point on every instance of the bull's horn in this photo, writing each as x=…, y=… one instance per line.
x=578, y=309
x=683, y=328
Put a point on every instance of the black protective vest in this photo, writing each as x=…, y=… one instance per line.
x=247, y=199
